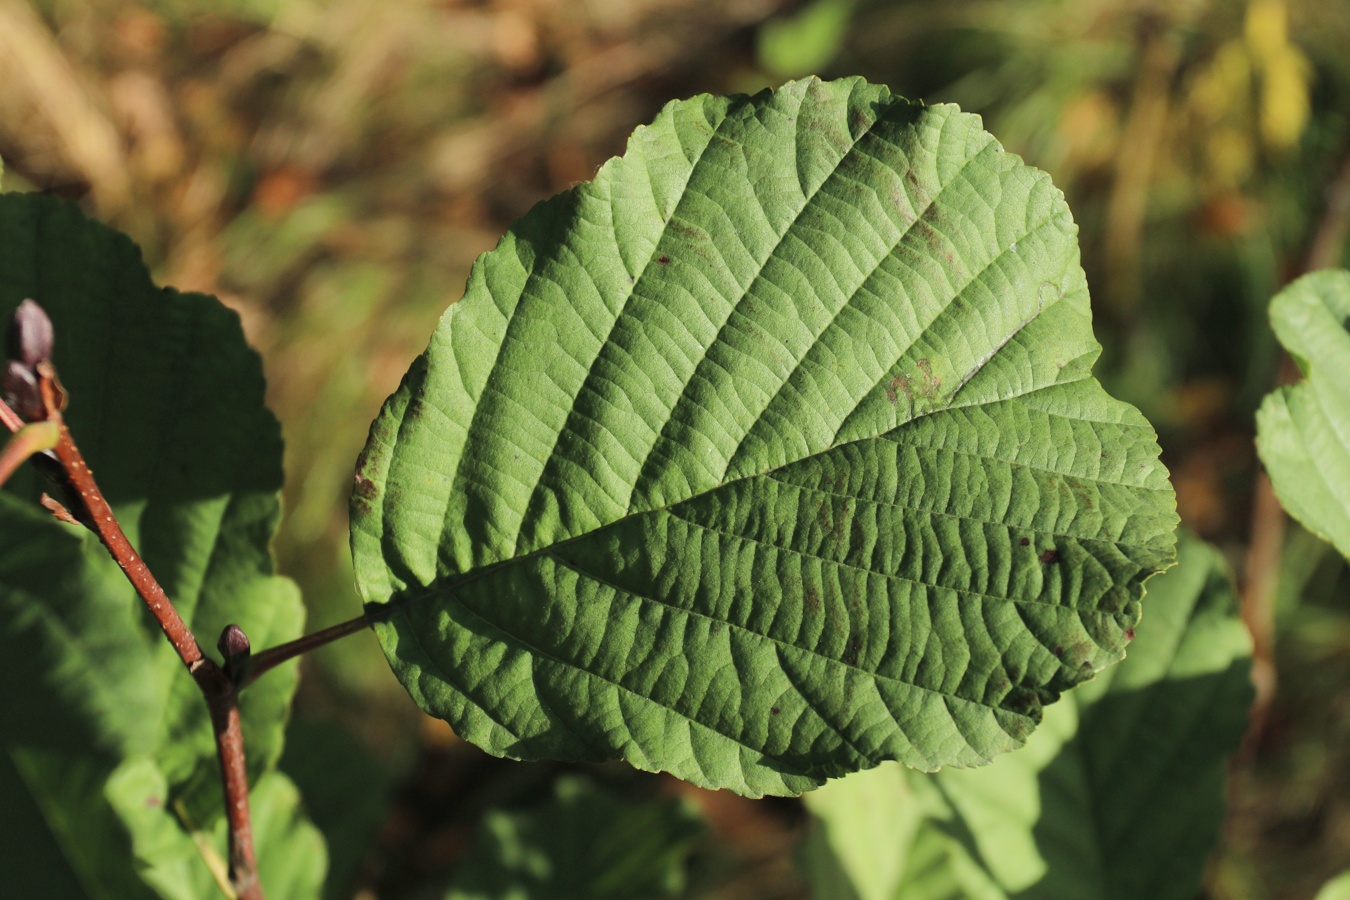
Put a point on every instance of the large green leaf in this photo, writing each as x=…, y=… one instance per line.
x=582, y=843
x=166, y=404
x=1303, y=431
x=1119, y=794
x=771, y=453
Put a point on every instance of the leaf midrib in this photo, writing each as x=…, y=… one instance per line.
x=441, y=586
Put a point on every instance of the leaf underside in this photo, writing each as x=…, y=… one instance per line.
x=771, y=453
x=1303, y=430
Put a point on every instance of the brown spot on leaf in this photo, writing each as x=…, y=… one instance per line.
x=851, y=651
x=365, y=488
x=931, y=383
x=773, y=710
x=858, y=122
x=825, y=513
x=1129, y=634
x=899, y=385
x=688, y=230
x=663, y=260
x=363, y=493
x=1024, y=541
x=857, y=538
x=1049, y=555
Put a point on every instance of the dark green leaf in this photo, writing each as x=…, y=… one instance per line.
x=166, y=404
x=346, y=794
x=770, y=454
x=582, y=843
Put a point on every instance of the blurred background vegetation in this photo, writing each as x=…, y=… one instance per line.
x=331, y=168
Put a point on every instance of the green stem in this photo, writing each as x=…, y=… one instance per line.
x=27, y=441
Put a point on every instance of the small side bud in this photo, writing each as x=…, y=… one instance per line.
x=20, y=388
x=30, y=335
x=234, y=647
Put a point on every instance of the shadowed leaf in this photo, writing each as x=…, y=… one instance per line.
x=582, y=843
x=166, y=404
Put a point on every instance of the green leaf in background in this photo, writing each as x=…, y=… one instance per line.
x=166, y=402
x=807, y=41
x=347, y=794
x=770, y=454
x=873, y=839
x=1303, y=430
x=1337, y=888
x=1119, y=795
x=582, y=843
x=185, y=865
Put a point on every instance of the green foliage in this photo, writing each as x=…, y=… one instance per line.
x=170, y=858
x=1337, y=888
x=584, y=842
x=807, y=41
x=770, y=454
x=1303, y=431
x=1118, y=795
x=167, y=406
x=346, y=794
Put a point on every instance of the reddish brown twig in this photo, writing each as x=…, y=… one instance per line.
x=234, y=776
x=98, y=515
x=221, y=693
x=41, y=397
x=275, y=656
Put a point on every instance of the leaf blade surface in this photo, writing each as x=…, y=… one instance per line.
x=691, y=449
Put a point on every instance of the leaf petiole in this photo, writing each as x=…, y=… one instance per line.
x=31, y=439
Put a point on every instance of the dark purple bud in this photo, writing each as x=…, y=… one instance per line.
x=21, y=392
x=30, y=335
x=234, y=646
